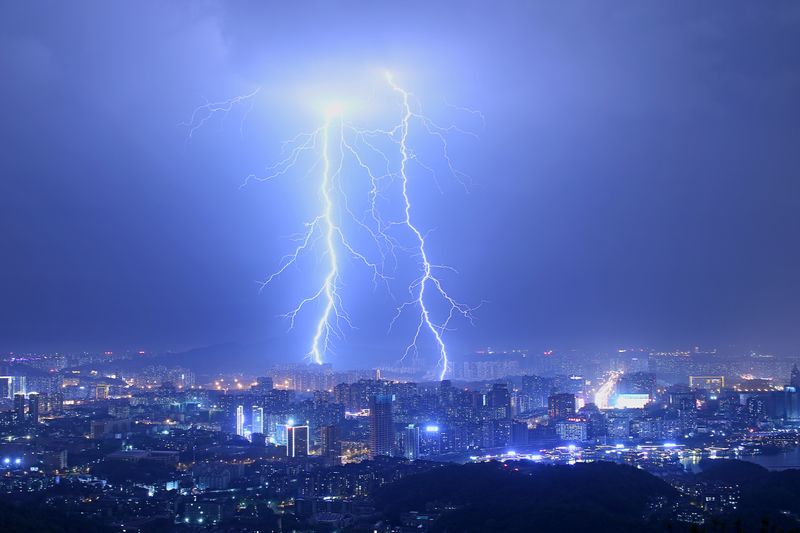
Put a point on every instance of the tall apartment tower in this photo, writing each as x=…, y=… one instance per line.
x=257, y=420
x=297, y=441
x=409, y=442
x=499, y=400
x=560, y=406
x=240, y=420
x=19, y=406
x=33, y=407
x=381, y=427
x=331, y=445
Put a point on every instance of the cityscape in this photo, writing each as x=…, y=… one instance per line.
x=391, y=268
x=133, y=443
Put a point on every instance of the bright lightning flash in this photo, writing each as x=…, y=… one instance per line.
x=327, y=228
x=334, y=141
x=418, y=286
x=319, y=344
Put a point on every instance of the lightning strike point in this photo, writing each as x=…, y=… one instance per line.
x=333, y=110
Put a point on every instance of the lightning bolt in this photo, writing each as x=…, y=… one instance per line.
x=418, y=287
x=207, y=111
x=327, y=228
x=333, y=142
x=319, y=344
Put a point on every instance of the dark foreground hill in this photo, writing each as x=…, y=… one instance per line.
x=598, y=497
x=771, y=498
x=41, y=519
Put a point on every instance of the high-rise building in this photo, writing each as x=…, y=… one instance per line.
x=791, y=403
x=240, y=420
x=6, y=387
x=560, y=406
x=19, y=406
x=519, y=433
x=499, y=401
x=297, y=443
x=11, y=385
x=263, y=384
x=381, y=427
x=536, y=390
x=430, y=440
x=281, y=434
x=445, y=392
x=409, y=442
x=757, y=407
x=33, y=407
x=257, y=421
x=331, y=445
x=684, y=402
x=572, y=429
x=794, y=379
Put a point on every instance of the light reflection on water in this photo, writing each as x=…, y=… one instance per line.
x=778, y=461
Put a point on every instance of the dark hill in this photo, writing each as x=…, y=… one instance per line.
x=496, y=497
x=766, y=497
x=41, y=519
x=731, y=470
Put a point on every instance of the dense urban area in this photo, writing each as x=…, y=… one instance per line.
x=131, y=442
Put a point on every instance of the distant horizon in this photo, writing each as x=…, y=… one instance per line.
x=531, y=349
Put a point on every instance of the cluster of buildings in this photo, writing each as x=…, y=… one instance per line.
x=306, y=445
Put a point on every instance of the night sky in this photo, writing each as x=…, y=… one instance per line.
x=636, y=181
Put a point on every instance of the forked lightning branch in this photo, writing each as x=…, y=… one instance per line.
x=337, y=151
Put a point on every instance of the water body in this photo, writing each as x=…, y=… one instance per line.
x=778, y=461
